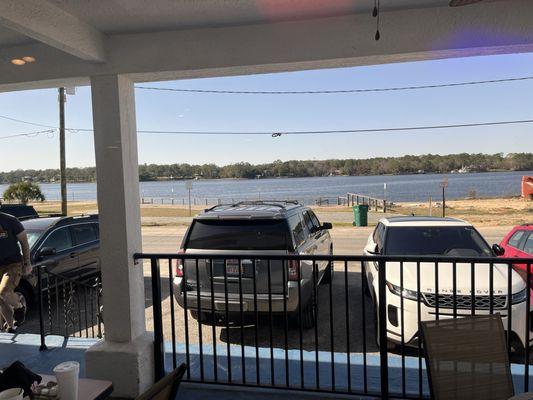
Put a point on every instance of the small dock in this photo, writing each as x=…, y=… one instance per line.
x=374, y=203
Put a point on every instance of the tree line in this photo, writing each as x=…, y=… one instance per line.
x=429, y=163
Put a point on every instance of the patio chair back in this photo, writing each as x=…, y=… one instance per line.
x=166, y=388
x=467, y=358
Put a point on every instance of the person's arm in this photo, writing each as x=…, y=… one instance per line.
x=23, y=240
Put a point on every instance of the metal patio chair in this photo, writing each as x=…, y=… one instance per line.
x=466, y=358
x=166, y=388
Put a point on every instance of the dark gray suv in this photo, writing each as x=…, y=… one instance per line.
x=247, y=229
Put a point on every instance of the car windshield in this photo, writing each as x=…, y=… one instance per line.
x=239, y=235
x=453, y=241
x=33, y=236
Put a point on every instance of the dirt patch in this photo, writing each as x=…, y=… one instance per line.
x=485, y=212
x=488, y=212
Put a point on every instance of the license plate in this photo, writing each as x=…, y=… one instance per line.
x=232, y=267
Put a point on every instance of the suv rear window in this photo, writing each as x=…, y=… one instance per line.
x=239, y=235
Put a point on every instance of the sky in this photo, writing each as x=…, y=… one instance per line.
x=158, y=110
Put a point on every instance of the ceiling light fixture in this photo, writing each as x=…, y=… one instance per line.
x=29, y=59
x=18, y=61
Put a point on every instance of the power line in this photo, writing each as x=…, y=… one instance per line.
x=72, y=130
x=275, y=134
x=369, y=90
x=28, y=134
x=278, y=133
x=26, y=122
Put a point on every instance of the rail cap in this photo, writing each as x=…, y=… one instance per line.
x=347, y=258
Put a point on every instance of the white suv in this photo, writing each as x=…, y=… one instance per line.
x=440, y=237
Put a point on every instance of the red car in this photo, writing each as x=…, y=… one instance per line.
x=519, y=243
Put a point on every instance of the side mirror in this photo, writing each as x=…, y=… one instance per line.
x=326, y=225
x=498, y=250
x=373, y=250
x=46, y=252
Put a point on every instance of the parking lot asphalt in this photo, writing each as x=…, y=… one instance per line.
x=332, y=332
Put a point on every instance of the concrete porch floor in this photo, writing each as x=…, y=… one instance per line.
x=25, y=348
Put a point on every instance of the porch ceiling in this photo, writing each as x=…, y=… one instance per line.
x=11, y=38
x=133, y=16
x=174, y=39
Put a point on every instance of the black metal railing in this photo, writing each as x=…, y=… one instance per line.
x=228, y=317
x=68, y=306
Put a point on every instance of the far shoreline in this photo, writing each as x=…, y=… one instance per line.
x=526, y=172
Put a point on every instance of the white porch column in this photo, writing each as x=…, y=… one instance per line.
x=125, y=356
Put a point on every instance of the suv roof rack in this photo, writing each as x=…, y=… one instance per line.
x=276, y=203
x=63, y=219
x=273, y=203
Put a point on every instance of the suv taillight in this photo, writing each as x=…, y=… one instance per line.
x=179, y=264
x=293, y=270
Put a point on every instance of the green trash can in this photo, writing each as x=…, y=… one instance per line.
x=360, y=215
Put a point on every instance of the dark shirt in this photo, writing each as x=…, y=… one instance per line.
x=10, y=227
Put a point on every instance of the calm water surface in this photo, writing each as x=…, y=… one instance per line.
x=307, y=190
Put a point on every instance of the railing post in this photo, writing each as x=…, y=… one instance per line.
x=528, y=327
x=99, y=315
x=382, y=323
x=41, y=312
x=384, y=205
x=159, y=351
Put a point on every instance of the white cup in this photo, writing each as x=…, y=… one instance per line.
x=12, y=394
x=67, y=375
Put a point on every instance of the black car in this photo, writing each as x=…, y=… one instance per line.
x=20, y=211
x=69, y=246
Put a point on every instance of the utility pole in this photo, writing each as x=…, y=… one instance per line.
x=443, y=202
x=188, y=186
x=62, y=157
x=444, y=185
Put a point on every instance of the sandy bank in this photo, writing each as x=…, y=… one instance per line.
x=484, y=212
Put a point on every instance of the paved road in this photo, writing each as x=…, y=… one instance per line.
x=346, y=241
x=168, y=239
x=329, y=333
